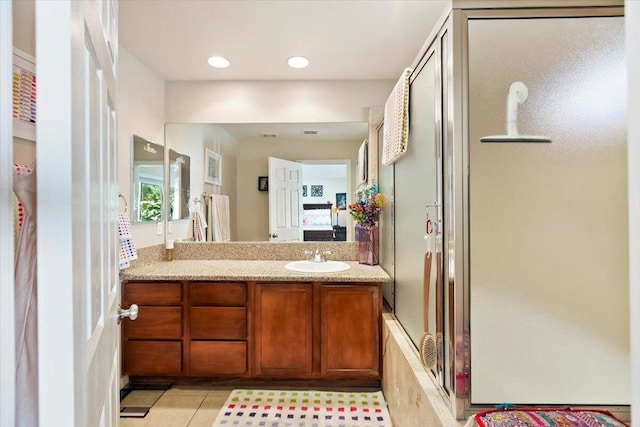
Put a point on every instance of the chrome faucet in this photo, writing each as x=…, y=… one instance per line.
x=317, y=255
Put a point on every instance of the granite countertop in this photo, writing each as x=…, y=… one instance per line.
x=248, y=270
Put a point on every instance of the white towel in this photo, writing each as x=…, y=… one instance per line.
x=209, y=210
x=396, y=121
x=220, y=223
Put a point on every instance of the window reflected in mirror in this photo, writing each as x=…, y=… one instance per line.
x=147, y=184
x=179, y=185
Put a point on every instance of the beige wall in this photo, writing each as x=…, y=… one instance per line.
x=24, y=38
x=24, y=26
x=253, y=205
x=274, y=101
x=192, y=139
x=140, y=106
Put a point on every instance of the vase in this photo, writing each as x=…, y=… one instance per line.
x=368, y=246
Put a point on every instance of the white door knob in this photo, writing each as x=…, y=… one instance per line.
x=131, y=312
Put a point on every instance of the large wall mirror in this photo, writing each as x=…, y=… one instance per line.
x=329, y=152
x=147, y=180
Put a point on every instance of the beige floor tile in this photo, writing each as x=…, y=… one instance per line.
x=188, y=390
x=209, y=409
x=169, y=411
x=141, y=398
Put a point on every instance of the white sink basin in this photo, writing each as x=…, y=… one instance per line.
x=317, y=267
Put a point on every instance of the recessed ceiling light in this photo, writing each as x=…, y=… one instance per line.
x=218, y=62
x=298, y=62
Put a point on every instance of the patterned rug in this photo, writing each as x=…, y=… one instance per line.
x=546, y=418
x=284, y=408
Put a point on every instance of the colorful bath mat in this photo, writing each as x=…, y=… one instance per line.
x=285, y=408
x=547, y=418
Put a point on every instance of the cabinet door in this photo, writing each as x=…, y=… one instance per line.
x=350, y=324
x=283, y=330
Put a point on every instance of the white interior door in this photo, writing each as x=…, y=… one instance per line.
x=78, y=284
x=285, y=191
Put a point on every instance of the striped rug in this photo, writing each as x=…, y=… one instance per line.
x=286, y=408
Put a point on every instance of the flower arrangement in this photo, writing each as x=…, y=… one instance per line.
x=366, y=210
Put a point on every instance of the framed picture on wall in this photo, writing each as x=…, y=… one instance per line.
x=263, y=183
x=212, y=167
x=341, y=200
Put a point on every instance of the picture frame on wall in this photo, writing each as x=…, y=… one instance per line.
x=212, y=167
x=263, y=183
x=341, y=200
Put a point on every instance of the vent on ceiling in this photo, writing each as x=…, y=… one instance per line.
x=269, y=135
x=309, y=132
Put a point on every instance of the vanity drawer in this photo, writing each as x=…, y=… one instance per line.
x=224, y=294
x=156, y=293
x=223, y=323
x=153, y=357
x=155, y=322
x=218, y=358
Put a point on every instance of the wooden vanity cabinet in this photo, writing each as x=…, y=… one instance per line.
x=253, y=330
x=153, y=344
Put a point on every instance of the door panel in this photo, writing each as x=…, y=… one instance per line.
x=285, y=190
x=418, y=196
x=77, y=209
x=350, y=324
x=283, y=330
x=548, y=222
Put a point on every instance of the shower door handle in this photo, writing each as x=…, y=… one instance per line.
x=131, y=313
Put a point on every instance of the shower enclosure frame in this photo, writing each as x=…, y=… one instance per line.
x=455, y=115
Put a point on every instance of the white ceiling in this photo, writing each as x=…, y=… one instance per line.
x=343, y=39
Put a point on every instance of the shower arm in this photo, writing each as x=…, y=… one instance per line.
x=518, y=93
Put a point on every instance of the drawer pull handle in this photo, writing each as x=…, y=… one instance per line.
x=131, y=313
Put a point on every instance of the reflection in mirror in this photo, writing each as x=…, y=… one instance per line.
x=245, y=148
x=179, y=185
x=147, y=184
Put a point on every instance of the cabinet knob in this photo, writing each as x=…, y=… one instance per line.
x=131, y=313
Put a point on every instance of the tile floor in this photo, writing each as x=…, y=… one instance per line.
x=180, y=406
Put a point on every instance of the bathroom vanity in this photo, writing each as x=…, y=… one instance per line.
x=252, y=319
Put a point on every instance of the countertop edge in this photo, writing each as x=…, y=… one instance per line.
x=235, y=270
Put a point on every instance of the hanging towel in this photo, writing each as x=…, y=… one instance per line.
x=209, y=209
x=396, y=121
x=127, y=250
x=220, y=222
x=18, y=208
x=26, y=300
x=199, y=223
x=199, y=226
